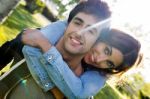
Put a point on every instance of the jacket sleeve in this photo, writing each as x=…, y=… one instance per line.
x=50, y=69
x=53, y=33
x=72, y=86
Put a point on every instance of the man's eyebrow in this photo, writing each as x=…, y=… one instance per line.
x=78, y=19
x=89, y=27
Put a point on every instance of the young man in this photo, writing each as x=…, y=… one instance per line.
x=74, y=44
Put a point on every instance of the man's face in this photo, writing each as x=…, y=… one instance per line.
x=76, y=42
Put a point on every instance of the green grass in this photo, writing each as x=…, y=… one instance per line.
x=146, y=89
x=18, y=20
x=108, y=92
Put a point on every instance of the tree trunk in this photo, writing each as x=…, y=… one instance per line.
x=49, y=15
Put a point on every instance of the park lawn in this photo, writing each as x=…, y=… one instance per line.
x=109, y=92
x=18, y=20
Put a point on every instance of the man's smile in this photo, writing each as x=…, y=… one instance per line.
x=76, y=40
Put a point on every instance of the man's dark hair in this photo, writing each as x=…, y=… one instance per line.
x=97, y=8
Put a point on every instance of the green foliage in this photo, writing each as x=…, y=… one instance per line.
x=128, y=87
x=35, y=6
x=62, y=8
x=145, y=90
x=17, y=21
x=108, y=92
x=131, y=86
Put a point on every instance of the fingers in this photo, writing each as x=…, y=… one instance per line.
x=32, y=37
x=26, y=31
x=27, y=36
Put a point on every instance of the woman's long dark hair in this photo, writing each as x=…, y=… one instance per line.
x=125, y=43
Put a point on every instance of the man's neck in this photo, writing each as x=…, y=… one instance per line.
x=72, y=60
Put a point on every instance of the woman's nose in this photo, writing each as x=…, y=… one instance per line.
x=101, y=58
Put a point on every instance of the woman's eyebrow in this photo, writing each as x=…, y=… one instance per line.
x=110, y=48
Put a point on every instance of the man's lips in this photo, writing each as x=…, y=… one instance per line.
x=76, y=41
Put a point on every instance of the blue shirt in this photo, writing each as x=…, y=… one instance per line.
x=49, y=69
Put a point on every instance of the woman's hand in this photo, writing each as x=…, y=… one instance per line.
x=34, y=37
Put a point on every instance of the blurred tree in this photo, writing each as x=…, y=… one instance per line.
x=130, y=85
x=6, y=6
x=36, y=6
x=62, y=7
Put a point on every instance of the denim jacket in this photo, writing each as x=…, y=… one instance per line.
x=49, y=69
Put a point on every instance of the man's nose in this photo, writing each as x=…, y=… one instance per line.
x=81, y=30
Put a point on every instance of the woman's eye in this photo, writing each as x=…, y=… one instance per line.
x=106, y=50
x=110, y=64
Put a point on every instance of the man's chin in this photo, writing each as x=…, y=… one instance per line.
x=74, y=50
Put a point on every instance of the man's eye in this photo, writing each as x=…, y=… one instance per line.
x=91, y=32
x=77, y=23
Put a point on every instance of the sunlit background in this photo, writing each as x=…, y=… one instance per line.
x=128, y=15
x=132, y=16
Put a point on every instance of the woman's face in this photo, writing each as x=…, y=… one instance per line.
x=104, y=56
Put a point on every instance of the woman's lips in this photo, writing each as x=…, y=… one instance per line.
x=91, y=58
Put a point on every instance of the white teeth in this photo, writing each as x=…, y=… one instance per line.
x=75, y=41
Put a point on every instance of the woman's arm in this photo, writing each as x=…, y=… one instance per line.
x=53, y=34
x=72, y=86
x=55, y=68
x=54, y=31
